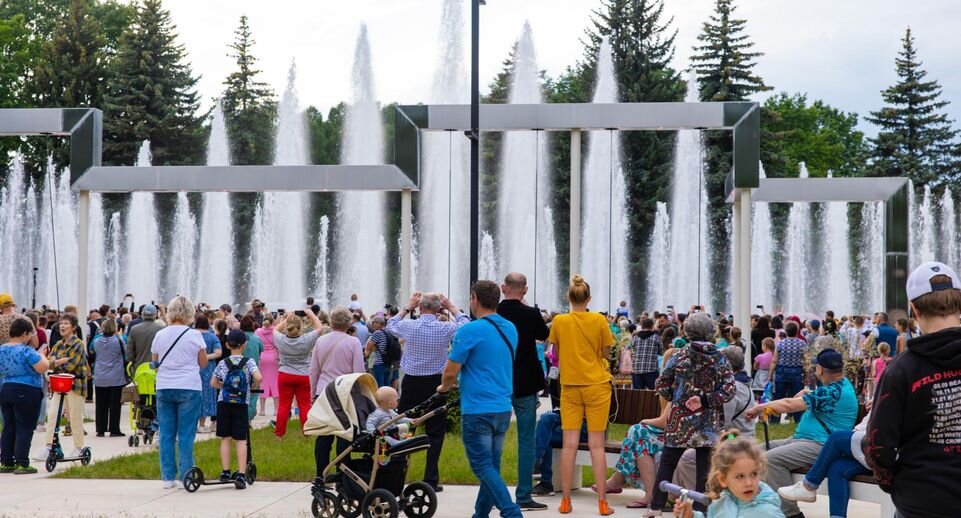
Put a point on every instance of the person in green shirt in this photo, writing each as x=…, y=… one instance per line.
x=254, y=347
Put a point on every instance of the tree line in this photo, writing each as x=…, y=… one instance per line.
x=125, y=58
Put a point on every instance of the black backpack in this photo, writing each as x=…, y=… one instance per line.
x=392, y=351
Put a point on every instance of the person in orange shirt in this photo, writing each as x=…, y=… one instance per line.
x=583, y=342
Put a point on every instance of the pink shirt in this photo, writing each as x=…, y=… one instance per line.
x=347, y=357
x=266, y=336
x=879, y=366
x=764, y=361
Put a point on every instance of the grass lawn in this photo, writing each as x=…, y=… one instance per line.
x=293, y=458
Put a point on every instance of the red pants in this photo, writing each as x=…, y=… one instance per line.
x=291, y=385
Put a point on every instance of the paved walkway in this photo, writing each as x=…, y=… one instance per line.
x=38, y=495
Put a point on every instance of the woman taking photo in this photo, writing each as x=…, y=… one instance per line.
x=109, y=378
x=68, y=356
x=293, y=378
x=20, y=370
x=178, y=353
x=582, y=342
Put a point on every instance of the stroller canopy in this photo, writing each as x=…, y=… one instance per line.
x=343, y=407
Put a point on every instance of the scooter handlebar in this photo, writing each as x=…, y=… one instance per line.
x=684, y=493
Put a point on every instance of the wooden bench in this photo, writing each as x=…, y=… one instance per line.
x=628, y=407
x=862, y=487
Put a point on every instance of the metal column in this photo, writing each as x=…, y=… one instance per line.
x=896, y=259
x=575, y=238
x=406, y=231
x=84, y=249
x=742, y=266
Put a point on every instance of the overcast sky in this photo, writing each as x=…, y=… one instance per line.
x=839, y=51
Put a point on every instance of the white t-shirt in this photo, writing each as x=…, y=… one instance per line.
x=180, y=370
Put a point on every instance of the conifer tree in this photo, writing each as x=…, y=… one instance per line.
x=152, y=95
x=724, y=63
x=916, y=138
x=249, y=106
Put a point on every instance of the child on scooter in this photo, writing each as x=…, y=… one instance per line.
x=235, y=376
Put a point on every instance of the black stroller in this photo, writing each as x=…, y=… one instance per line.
x=374, y=484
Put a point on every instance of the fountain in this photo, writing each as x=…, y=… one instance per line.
x=112, y=262
x=925, y=234
x=605, y=233
x=13, y=219
x=796, y=261
x=838, y=248
x=142, y=251
x=215, y=270
x=658, y=273
x=361, y=252
x=950, y=247
x=279, y=246
x=487, y=268
x=871, y=258
x=524, y=221
x=96, y=267
x=322, y=268
x=443, y=251
x=762, y=253
x=181, y=261
x=689, y=280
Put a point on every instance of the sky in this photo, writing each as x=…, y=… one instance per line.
x=841, y=52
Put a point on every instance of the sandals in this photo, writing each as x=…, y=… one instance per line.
x=637, y=504
x=609, y=490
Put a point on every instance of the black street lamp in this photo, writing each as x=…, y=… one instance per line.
x=474, y=136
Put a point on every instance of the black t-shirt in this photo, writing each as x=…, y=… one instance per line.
x=528, y=372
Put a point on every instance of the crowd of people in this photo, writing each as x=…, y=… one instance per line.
x=826, y=374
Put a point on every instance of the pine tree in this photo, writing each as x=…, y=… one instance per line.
x=249, y=107
x=724, y=64
x=916, y=138
x=642, y=42
x=151, y=95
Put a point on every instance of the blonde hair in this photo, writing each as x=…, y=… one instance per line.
x=294, y=326
x=884, y=348
x=180, y=311
x=579, y=291
x=730, y=447
x=768, y=343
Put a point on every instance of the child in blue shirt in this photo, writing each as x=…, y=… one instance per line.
x=235, y=376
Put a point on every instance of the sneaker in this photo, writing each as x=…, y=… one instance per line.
x=797, y=492
x=25, y=470
x=170, y=484
x=566, y=506
x=8, y=468
x=42, y=428
x=532, y=506
x=77, y=452
x=42, y=454
x=240, y=481
x=225, y=475
x=99, y=434
x=117, y=434
x=543, y=489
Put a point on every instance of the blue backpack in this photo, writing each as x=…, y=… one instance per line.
x=236, y=386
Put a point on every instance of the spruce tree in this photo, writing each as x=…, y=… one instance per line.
x=642, y=42
x=916, y=138
x=724, y=63
x=152, y=95
x=249, y=107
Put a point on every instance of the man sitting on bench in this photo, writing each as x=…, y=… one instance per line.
x=832, y=406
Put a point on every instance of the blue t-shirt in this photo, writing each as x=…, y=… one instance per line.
x=487, y=375
x=16, y=365
x=888, y=335
x=837, y=406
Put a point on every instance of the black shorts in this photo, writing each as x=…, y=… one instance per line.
x=232, y=421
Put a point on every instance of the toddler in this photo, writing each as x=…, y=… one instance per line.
x=386, y=403
x=735, y=483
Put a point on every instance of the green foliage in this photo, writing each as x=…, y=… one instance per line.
x=18, y=50
x=249, y=105
x=151, y=94
x=916, y=138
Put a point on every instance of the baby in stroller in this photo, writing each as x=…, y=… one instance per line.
x=386, y=404
x=375, y=482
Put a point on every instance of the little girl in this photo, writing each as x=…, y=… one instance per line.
x=735, y=485
x=884, y=350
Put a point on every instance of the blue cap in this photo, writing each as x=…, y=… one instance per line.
x=150, y=309
x=830, y=360
x=816, y=324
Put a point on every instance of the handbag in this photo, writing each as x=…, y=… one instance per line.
x=627, y=361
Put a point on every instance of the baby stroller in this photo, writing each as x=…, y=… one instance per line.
x=374, y=484
x=143, y=413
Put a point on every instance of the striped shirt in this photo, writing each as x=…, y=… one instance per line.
x=426, y=342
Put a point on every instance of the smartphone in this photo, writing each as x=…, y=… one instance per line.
x=300, y=313
x=759, y=306
x=281, y=311
x=670, y=306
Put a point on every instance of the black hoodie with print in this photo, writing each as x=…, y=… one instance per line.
x=914, y=436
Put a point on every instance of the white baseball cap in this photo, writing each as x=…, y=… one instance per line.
x=919, y=283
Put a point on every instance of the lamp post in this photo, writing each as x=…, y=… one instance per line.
x=474, y=136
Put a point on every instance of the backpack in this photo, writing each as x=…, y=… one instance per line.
x=236, y=386
x=392, y=351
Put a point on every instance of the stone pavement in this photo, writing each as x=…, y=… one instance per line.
x=38, y=495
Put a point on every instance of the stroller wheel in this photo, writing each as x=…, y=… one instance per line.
x=420, y=500
x=251, y=473
x=379, y=503
x=130, y=441
x=193, y=479
x=326, y=504
x=51, y=463
x=136, y=441
x=85, y=456
x=349, y=508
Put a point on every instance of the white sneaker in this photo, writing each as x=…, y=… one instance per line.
x=797, y=493
x=42, y=455
x=170, y=484
x=77, y=452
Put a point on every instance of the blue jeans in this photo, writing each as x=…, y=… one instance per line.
x=547, y=436
x=839, y=466
x=177, y=413
x=483, y=436
x=20, y=405
x=525, y=409
x=382, y=373
x=788, y=381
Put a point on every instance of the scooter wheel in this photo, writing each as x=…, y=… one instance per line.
x=326, y=504
x=380, y=503
x=85, y=456
x=130, y=441
x=51, y=463
x=251, y=473
x=193, y=479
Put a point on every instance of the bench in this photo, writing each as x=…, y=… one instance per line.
x=862, y=487
x=628, y=407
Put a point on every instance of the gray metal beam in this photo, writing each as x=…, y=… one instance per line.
x=310, y=178
x=84, y=126
x=774, y=190
x=896, y=247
